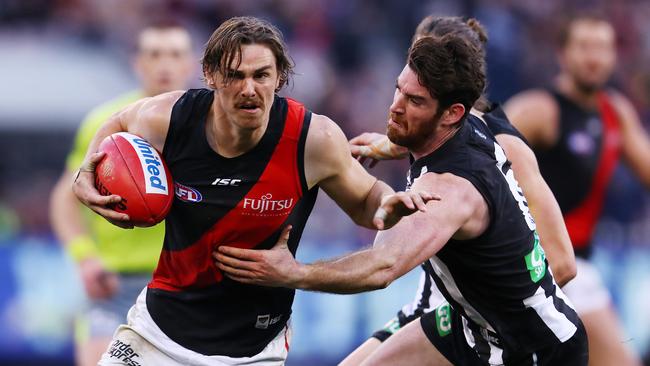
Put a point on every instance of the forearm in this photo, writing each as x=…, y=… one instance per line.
x=553, y=234
x=68, y=222
x=364, y=214
x=65, y=214
x=111, y=126
x=362, y=271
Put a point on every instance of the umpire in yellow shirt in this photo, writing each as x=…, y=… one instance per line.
x=115, y=264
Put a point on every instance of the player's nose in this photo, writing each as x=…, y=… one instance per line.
x=248, y=88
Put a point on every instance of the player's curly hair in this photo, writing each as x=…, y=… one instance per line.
x=224, y=46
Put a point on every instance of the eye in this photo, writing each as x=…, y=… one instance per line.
x=262, y=75
x=415, y=101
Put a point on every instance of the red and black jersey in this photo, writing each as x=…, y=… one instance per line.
x=579, y=166
x=243, y=201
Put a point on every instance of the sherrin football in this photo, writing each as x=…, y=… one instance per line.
x=133, y=170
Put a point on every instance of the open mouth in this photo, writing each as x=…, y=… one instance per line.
x=249, y=107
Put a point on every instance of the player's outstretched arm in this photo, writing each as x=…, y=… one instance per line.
x=543, y=206
x=462, y=213
x=368, y=201
x=148, y=118
x=635, y=143
x=376, y=147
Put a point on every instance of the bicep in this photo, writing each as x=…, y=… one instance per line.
x=328, y=163
x=418, y=237
x=149, y=118
x=635, y=145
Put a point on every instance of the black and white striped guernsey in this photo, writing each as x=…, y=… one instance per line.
x=500, y=281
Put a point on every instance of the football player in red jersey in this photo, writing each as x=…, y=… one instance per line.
x=273, y=148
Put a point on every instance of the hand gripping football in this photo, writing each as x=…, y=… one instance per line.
x=133, y=170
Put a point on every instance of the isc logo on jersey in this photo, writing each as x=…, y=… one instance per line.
x=154, y=175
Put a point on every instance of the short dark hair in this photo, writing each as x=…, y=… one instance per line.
x=452, y=70
x=224, y=46
x=471, y=30
x=566, y=25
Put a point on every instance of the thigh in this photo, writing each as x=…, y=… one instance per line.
x=361, y=353
x=409, y=346
x=607, y=344
x=130, y=349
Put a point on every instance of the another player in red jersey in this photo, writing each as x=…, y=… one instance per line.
x=578, y=130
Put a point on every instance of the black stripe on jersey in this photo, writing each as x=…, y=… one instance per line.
x=426, y=293
x=306, y=122
x=185, y=142
x=428, y=268
x=481, y=346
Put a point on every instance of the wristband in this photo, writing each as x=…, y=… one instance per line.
x=81, y=247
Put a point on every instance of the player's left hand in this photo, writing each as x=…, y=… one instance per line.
x=275, y=267
x=375, y=147
x=395, y=206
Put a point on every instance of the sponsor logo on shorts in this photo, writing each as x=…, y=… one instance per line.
x=264, y=321
x=187, y=194
x=443, y=319
x=123, y=352
x=152, y=168
x=392, y=326
x=536, y=261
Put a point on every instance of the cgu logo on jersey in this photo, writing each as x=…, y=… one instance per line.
x=267, y=206
x=187, y=194
x=152, y=168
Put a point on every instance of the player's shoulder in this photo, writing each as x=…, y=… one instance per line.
x=532, y=99
x=326, y=148
x=324, y=133
x=622, y=104
x=159, y=106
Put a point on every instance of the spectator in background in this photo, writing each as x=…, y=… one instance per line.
x=114, y=264
x=578, y=129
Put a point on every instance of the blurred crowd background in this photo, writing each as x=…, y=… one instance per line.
x=60, y=58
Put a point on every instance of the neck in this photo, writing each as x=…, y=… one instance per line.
x=569, y=88
x=435, y=143
x=227, y=138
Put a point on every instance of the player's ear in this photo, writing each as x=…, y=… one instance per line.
x=209, y=78
x=452, y=114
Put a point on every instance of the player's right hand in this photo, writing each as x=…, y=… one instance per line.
x=98, y=282
x=84, y=188
x=375, y=146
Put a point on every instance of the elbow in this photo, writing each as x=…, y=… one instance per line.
x=566, y=271
x=384, y=275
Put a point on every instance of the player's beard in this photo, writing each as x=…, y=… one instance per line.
x=410, y=138
x=587, y=88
